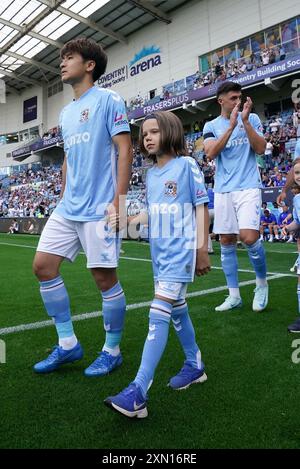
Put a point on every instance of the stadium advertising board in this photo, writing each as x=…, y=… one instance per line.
x=24, y=225
x=30, y=109
x=144, y=60
x=40, y=145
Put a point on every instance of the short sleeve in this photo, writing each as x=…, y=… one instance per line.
x=296, y=210
x=198, y=191
x=208, y=132
x=116, y=118
x=297, y=151
x=257, y=125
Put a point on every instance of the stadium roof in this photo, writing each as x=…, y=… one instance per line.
x=33, y=31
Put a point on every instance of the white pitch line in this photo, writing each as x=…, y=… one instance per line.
x=95, y=314
x=131, y=242
x=248, y=271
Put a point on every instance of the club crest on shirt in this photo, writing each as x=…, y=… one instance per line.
x=84, y=115
x=171, y=188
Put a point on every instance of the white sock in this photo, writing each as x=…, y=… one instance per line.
x=112, y=351
x=68, y=342
x=261, y=282
x=291, y=237
x=235, y=292
x=271, y=237
x=276, y=236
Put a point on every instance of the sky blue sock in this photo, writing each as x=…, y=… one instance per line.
x=159, y=321
x=186, y=333
x=64, y=329
x=114, y=309
x=57, y=304
x=257, y=258
x=230, y=265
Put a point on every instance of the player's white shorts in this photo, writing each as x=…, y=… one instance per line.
x=171, y=290
x=66, y=238
x=237, y=210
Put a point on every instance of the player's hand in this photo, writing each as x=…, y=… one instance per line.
x=116, y=215
x=113, y=221
x=246, y=109
x=234, y=116
x=202, y=263
x=284, y=231
x=281, y=198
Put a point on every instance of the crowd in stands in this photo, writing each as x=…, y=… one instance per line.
x=233, y=68
x=30, y=193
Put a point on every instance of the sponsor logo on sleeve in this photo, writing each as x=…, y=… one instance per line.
x=120, y=119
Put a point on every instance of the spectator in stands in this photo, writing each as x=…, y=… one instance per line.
x=268, y=153
x=282, y=53
x=285, y=218
x=14, y=227
x=268, y=222
x=279, y=181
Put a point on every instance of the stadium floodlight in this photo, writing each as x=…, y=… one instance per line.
x=134, y=122
x=270, y=84
x=201, y=106
x=187, y=108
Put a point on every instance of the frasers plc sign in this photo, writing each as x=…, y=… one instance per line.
x=147, y=59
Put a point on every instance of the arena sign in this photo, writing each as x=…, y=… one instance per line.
x=146, y=59
x=255, y=76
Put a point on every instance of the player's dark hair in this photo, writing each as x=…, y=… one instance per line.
x=172, y=140
x=89, y=50
x=228, y=86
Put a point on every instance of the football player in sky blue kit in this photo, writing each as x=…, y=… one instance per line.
x=233, y=139
x=294, y=226
x=96, y=171
x=178, y=214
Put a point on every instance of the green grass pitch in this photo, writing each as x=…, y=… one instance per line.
x=251, y=398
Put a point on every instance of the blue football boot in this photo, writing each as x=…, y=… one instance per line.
x=59, y=357
x=104, y=364
x=129, y=402
x=187, y=375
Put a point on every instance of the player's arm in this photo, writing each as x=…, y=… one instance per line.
x=64, y=175
x=124, y=146
x=257, y=142
x=202, y=223
x=214, y=147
